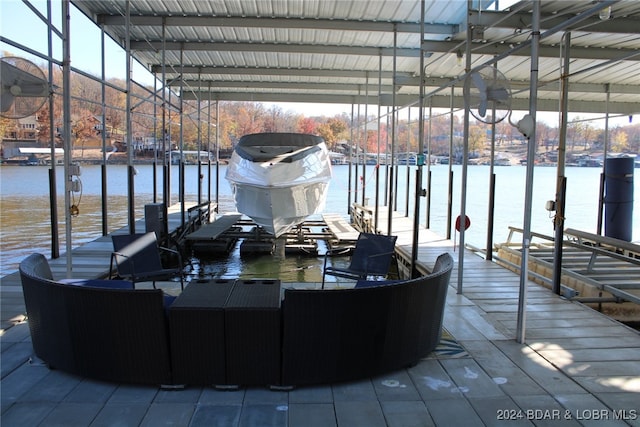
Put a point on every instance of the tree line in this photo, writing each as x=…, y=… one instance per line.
x=199, y=127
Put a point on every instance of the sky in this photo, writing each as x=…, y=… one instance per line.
x=30, y=31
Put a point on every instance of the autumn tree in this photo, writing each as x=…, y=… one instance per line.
x=307, y=125
x=633, y=137
x=477, y=138
x=278, y=120
x=579, y=132
x=440, y=134
x=45, y=133
x=619, y=142
x=238, y=119
x=333, y=130
x=6, y=125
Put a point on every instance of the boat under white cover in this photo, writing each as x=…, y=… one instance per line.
x=279, y=179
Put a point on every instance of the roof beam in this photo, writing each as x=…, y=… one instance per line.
x=492, y=49
x=157, y=45
x=261, y=71
x=517, y=104
x=350, y=87
x=519, y=86
x=402, y=79
x=278, y=23
x=522, y=20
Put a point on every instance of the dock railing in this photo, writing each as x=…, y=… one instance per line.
x=196, y=216
x=613, y=247
x=362, y=218
x=608, y=264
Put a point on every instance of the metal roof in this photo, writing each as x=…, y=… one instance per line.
x=348, y=51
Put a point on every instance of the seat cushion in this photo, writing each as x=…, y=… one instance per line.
x=99, y=283
x=371, y=283
x=168, y=300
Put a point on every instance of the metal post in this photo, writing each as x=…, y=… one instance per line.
x=155, y=139
x=209, y=144
x=358, y=153
x=217, y=153
x=604, y=163
x=427, y=210
x=492, y=185
x=492, y=204
x=53, y=194
x=350, y=178
x=104, y=198
x=387, y=145
x=561, y=181
x=182, y=164
x=131, y=186
x=531, y=154
x=66, y=114
x=450, y=187
x=199, y=145
x=465, y=161
x=365, y=139
x=166, y=171
x=377, y=196
x=392, y=190
x=407, y=187
x=420, y=155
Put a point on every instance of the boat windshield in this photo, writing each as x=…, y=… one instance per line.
x=277, y=147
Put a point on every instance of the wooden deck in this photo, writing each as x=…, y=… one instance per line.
x=214, y=229
x=577, y=367
x=340, y=228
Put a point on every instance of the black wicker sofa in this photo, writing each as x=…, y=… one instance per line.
x=106, y=330
x=100, y=329
x=344, y=334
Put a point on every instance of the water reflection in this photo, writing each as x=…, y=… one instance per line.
x=26, y=224
x=291, y=268
x=25, y=219
x=26, y=228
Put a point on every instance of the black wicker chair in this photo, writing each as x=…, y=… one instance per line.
x=137, y=258
x=371, y=257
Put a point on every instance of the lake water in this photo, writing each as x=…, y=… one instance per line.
x=25, y=224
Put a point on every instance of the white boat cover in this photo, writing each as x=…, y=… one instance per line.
x=279, y=179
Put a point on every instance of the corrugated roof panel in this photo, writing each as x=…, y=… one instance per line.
x=204, y=8
x=327, y=9
x=270, y=31
x=230, y=8
x=610, y=41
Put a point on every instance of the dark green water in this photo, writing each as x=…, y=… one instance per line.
x=25, y=220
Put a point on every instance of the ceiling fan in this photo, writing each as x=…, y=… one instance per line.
x=24, y=88
x=487, y=94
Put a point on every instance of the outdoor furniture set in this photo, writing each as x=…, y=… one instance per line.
x=229, y=333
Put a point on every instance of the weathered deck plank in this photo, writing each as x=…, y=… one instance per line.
x=213, y=230
x=340, y=228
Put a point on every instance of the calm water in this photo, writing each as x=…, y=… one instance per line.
x=25, y=224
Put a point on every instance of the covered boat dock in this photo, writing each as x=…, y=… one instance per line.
x=522, y=353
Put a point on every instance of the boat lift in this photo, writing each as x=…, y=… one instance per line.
x=221, y=235
x=595, y=269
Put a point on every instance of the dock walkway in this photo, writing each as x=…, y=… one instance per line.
x=213, y=230
x=340, y=228
x=577, y=367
